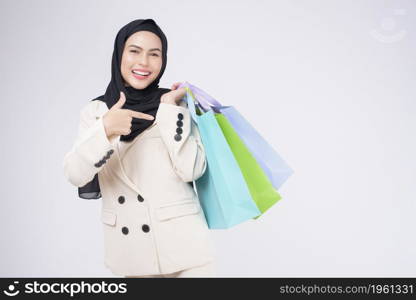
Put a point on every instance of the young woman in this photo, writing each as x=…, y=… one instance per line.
x=139, y=150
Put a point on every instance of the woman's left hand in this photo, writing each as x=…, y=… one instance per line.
x=175, y=95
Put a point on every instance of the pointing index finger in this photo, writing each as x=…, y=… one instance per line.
x=140, y=115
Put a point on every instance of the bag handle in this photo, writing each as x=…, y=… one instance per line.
x=206, y=102
x=189, y=100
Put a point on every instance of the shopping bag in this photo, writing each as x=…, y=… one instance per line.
x=260, y=187
x=276, y=169
x=222, y=190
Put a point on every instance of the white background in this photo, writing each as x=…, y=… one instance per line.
x=330, y=84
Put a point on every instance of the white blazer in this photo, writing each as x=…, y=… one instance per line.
x=153, y=221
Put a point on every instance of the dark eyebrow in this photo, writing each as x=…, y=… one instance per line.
x=135, y=46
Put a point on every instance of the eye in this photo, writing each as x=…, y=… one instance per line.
x=135, y=51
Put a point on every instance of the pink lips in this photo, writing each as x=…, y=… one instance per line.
x=140, y=77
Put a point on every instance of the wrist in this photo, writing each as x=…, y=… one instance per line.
x=107, y=128
x=168, y=100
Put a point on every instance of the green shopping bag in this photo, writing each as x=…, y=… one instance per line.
x=259, y=185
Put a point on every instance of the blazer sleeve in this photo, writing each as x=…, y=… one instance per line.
x=91, y=148
x=184, y=145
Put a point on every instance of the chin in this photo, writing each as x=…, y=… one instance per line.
x=138, y=85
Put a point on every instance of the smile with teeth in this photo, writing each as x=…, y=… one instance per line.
x=141, y=73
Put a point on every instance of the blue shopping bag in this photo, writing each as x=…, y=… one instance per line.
x=222, y=190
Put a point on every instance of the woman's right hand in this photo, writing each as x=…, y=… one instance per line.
x=117, y=121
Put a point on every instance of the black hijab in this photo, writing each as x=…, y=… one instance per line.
x=146, y=100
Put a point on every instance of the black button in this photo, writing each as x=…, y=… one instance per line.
x=180, y=116
x=179, y=130
x=109, y=152
x=179, y=123
x=100, y=163
x=140, y=198
x=146, y=228
x=121, y=199
x=125, y=230
x=178, y=137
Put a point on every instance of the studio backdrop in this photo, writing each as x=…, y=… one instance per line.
x=329, y=84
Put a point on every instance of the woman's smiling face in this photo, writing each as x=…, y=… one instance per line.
x=143, y=54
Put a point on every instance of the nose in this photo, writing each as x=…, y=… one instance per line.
x=143, y=59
